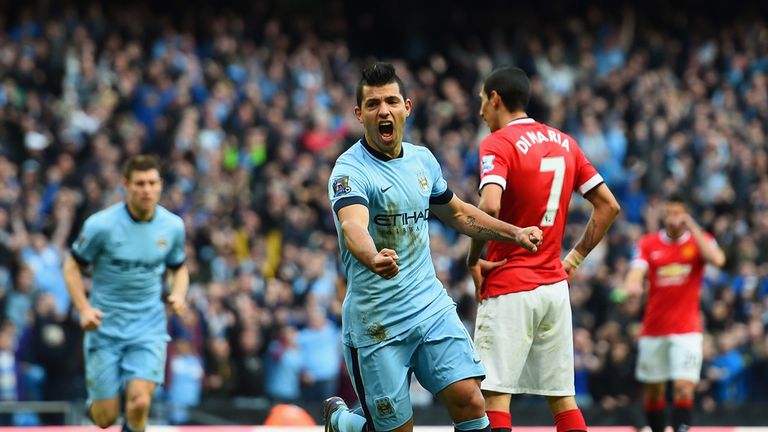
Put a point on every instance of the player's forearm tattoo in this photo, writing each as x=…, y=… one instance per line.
x=480, y=229
x=590, y=239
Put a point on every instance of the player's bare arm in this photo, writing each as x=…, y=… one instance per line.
x=468, y=219
x=354, y=229
x=490, y=203
x=710, y=252
x=90, y=317
x=179, y=282
x=633, y=282
x=605, y=208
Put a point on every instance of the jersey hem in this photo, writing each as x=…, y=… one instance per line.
x=484, y=295
x=666, y=334
x=397, y=330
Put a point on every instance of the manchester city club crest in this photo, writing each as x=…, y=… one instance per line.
x=384, y=407
x=423, y=182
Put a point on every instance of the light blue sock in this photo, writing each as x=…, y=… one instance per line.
x=345, y=420
x=473, y=425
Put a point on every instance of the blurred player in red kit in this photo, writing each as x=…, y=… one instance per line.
x=670, y=345
x=523, y=331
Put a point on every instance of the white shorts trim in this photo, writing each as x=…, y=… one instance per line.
x=525, y=341
x=672, y=357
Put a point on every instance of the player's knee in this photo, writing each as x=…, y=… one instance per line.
x=477, y=402
x=656, y=391
x=104, y=418
x=558, y=404
x=139, y=403
x=683, y=389
x=469, y=400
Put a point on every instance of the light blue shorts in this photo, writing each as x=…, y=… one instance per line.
x=438, y=350
x=109, y=366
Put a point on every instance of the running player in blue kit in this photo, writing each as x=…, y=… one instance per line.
x=397, y=319
x=128, y=248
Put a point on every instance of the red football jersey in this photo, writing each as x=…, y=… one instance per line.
x=538, y=167
x=675, y=270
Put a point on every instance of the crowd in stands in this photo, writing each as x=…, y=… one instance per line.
x=248, y=111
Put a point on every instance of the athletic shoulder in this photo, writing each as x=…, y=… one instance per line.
x=107, y=217
x=169, y=216
x=419, y=151
x=351, y=156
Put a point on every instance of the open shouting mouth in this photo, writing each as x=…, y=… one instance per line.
x=386, y=130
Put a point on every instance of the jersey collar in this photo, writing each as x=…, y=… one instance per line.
x=669, y=240
x=521, y=120
x=125, y=205
x=379, y=155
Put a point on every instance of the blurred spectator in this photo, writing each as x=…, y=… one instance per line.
x=284, y=367
x=185, y=381
x=9, y=370
x=18, y=302
x=585, y=363
x=615, y=386
x=219, y=368
x=321, y=359
x=54, y=337
x=727, y=372
x=249, y=364
x=45, y=262
x=758, y=372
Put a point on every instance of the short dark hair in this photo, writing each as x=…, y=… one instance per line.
x=511, y=84
x=377, y=75
x=140, y=163
x=676, y=197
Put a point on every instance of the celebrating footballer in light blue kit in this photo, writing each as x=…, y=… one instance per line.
x=128, y=247
x=397, y=318
x=398, y=193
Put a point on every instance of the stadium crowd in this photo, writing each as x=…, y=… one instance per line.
x=248, y=113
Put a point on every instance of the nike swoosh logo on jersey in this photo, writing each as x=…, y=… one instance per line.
x=384, y=189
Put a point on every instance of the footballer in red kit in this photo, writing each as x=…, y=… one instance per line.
x=544, y=166
x=670, y=345
x=675, y=271
x=523, y=334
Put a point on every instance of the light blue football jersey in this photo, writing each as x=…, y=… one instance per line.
x=128, y=260
x=398, y=193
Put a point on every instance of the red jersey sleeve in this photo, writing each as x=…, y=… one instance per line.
x=494, y=162
x=587, y=177
x=640, y=258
